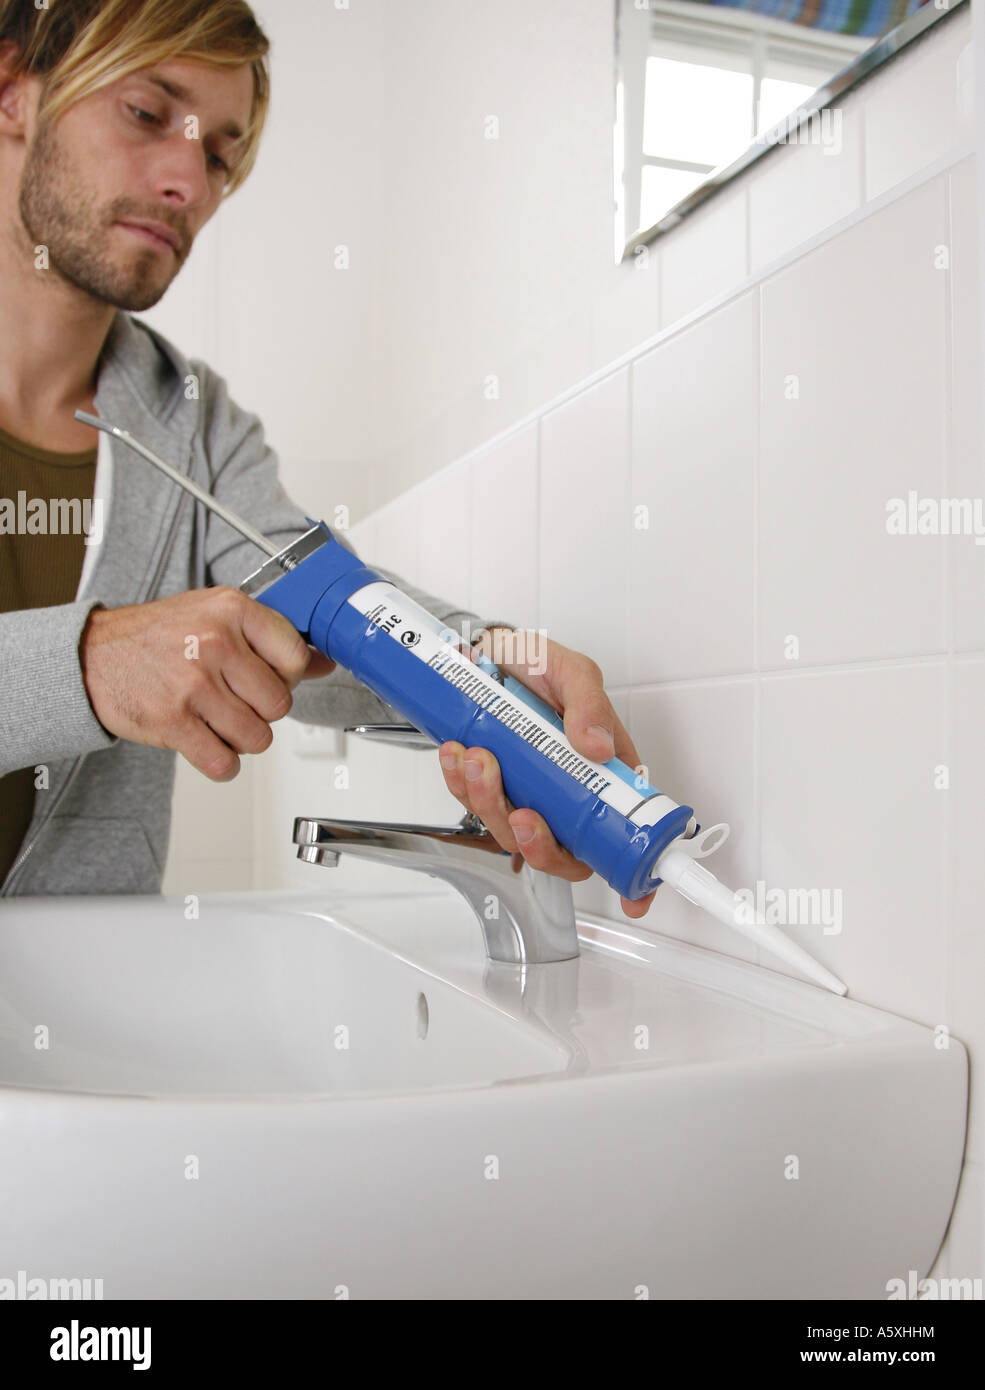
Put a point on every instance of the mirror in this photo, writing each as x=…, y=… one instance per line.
x=704, y=87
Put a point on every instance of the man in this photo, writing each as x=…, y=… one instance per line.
x=123, y=124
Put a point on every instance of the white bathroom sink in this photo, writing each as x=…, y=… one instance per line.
x=334, y=1093
x=255, y=998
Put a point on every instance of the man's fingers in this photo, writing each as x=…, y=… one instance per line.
x=250, y=678
x=625, y=747
x=484, y=796
x=213, y=758
x=274, y=640
x=542, y=851
x=232, y=719
x=589, y=717
x=591, y=724
x=592, y=727
x=318, y=665
x=638, y=907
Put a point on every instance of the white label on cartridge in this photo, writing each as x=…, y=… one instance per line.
x=437, y=645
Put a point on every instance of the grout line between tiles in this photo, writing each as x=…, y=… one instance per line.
x=629, y=663
x=835, y=669
x=759, y=357
x=539, y=490
x=947, y=695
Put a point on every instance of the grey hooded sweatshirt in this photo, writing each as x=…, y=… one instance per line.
x=102, y=825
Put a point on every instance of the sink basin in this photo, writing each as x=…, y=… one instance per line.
x=249, y=1000
x=336, y=1094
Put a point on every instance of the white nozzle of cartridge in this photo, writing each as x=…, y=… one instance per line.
x=677, y=867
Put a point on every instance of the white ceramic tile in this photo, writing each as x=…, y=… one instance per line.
x=802, y=187
x=397, y=538
x=693, y=448
x=964, y=1248
x=966, y=866
x=967, y=475
x=210, y=876
x=363, y=537
x=852, y=416
x=332, y=490
x=705, y=255
x=505, y=529
x=444, y=511
x=630, y=312
x=849, y=805
x=551, y=363
x=585, y=525
x=916, y=114
x=211, y=819
x=697, y=742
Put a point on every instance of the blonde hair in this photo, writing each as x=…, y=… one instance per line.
x=79, y=46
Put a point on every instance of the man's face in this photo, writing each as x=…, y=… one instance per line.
x=124, y=155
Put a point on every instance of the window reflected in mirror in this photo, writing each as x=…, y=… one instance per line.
x=702, y=84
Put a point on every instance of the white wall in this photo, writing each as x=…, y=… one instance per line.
x=669, y=383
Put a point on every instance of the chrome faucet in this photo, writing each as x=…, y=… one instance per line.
x=527, y=916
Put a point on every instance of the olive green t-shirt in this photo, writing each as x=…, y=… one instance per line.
x=45, y=509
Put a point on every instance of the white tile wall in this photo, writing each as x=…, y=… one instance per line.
x=805, y=186
x=504, y=527
x=630, y=312
x=396, y=540
x=586, y=524
x=211, y=847
x=967, y=474
x=697, y=742
x=965, y=956
x=849, y=805
x=693, y=449
x=850, y=332
x=924, y=112
x=444, y=536
x=706, y=255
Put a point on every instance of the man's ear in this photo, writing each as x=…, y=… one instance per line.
x=14, y=89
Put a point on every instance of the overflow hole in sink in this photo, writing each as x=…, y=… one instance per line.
x=423, y=1016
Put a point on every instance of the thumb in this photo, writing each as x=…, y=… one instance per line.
x=318, y=665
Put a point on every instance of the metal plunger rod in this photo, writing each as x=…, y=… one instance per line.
x=230, y=518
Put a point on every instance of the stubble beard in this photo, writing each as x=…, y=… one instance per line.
x=59, y=213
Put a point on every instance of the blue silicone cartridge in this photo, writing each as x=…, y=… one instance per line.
x=606, y=814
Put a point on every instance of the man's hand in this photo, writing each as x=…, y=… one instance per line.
x=572, y=684
x=205, y=672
